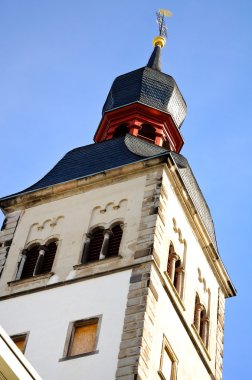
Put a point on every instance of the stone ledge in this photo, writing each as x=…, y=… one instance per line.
x=30, y=280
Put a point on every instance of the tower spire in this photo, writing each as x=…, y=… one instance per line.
x=159, y=41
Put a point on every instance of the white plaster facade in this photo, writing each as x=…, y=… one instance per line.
x=46, y=315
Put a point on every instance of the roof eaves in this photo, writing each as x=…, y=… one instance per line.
x=85, y=176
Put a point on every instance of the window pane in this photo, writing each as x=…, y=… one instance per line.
x=166, y=365
x=83, y=339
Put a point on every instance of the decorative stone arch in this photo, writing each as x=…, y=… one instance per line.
x=102, y=241
x=37, y=258
x=50, y=239
x=32, y=243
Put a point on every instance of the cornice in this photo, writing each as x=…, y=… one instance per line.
x=200, y=231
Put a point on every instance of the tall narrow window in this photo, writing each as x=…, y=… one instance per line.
x=168, y=362
x=201, y=322
x=115, y=240
x=175, y=270
x=31, y=257
x=97, y=237
x=50, y=251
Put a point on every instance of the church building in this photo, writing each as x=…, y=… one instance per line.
x=109, y=265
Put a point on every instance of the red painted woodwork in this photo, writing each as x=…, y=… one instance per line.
x=136, y=115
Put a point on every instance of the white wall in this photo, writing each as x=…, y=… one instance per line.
x=47, y=314
x=187, y=246
x=190, y=366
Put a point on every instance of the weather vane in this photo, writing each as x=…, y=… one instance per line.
x=161, y=14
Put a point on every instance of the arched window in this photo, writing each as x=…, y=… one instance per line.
x=95, y=245
x=200, y=320
x=50, y=252
x=31, y=256
x=37, y=260
x=101, y=243
x=175, y=270
x=120, y=131
x=114, y=240
x=147, y=132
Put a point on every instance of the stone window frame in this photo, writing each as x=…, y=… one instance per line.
x=70, y=335
x=172, y=270
x=167, y=347
x=201, y=322
x=107, y=233
x=17, y=337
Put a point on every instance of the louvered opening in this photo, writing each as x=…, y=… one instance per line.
x=95, y=245
x=30, y=262
x=148, y=133
x=114, y=241
x=49, y=258
x=120, y=131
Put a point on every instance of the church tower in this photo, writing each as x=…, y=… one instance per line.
x=109, y=266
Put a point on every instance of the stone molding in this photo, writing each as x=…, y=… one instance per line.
x=6, y=236
x=138, y=328
x=220, y=335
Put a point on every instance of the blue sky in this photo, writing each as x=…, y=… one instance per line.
x=58, y=59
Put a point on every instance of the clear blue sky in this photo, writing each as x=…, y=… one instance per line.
x=58, y=59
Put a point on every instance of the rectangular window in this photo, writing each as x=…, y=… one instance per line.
x=82, y=337
x=168, y=362
x=20, y=340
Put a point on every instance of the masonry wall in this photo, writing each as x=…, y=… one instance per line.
x=154, y=308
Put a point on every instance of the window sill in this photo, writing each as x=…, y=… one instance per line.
x=201, y=342
x=174, y=291
x=30, y=279
x=96, y=262
x=78, y=356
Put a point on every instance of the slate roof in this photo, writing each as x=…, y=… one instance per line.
x=150, y=87
x=110, y=154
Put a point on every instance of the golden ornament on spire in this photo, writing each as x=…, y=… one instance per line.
x=161, y=39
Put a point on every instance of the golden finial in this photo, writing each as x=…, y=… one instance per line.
x=161, y=39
